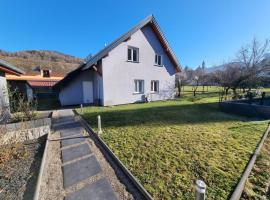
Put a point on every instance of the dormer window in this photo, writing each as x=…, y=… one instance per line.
x=46, y=73
x=158, y=60
x=133, y=54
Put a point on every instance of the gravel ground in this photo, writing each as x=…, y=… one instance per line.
x=19, y=168
x=51, y=187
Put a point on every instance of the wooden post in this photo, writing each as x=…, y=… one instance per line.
x=99, y=124
x=200, y=188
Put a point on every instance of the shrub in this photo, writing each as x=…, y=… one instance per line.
x=22, y=109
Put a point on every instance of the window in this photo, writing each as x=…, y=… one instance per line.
x=133, y=54
x=46, y=73
x=158, y=60
x=154, y=86
x=139, y=86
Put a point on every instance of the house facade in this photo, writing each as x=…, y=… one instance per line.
x=5, y=70
x=136, y=67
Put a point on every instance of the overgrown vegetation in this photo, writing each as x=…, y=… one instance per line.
x=168, y=145
x=9, y=152
x=22, y=109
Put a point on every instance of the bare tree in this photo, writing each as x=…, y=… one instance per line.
x=181, y=80
x=245, y=71
x=250, y=58
x=228, y=78
x=196, y=84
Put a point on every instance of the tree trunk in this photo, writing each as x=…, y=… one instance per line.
x=234, y=93
x=226, y=92
x=179, y=88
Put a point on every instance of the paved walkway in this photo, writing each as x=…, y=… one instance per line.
x=79, y=162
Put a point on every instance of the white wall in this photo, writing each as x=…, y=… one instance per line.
x=119, y=74
x=72, y=94
x=4, y=100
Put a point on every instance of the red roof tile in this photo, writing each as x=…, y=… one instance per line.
x=42, y=83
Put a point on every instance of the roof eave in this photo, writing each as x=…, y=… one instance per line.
x=12, y=69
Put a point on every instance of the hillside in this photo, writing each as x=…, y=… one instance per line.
x=28, y=60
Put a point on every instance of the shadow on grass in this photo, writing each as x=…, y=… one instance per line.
x=193, y=113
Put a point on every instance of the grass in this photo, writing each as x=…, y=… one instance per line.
x=167, y=145
x=258, y=183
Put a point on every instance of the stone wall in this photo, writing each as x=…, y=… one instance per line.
x=22, y=131
x=245, y=109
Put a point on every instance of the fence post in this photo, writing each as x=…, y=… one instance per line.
x=99, y=124
x=200, y=190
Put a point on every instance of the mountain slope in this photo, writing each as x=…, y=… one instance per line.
x=28, y=60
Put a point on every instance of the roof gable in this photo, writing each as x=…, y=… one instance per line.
x=104, y=52
x=149, y=20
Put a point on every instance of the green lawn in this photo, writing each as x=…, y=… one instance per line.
x=258, y=183
x=168, y=145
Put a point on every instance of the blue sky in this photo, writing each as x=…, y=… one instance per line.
x=197, y=30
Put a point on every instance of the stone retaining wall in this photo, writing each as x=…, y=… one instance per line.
x=245, y=109
x=22, y=131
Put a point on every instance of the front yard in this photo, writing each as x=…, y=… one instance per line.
x=168, y=145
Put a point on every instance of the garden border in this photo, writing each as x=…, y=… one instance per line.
x=43, y=163
x=115, y=159
x=242, y=182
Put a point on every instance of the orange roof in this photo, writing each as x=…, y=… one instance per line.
x=42, y=83
x=27, y=77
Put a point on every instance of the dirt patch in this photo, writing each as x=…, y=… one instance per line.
x=19, y=168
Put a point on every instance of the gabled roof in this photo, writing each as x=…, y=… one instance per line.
x=104, y=52
x=149, y=20
x=7, y=67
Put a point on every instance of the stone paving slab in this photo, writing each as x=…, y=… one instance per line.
x=75, y=152
x=66, y=126
x=65, y=119
x=71, y=141
x=100, y=190
x=80, y=170
x=71, y=132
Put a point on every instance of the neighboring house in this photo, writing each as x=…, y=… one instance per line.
x=37, y=84
x=6, y=69
x=137, y=65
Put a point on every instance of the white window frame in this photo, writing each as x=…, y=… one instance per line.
x=153, y=86
x=156, y=60
x=133, y=49
x=137, y=86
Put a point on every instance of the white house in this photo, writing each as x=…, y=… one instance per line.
x=5, y=69
x=137, y=65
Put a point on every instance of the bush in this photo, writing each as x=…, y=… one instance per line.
x=22, y=109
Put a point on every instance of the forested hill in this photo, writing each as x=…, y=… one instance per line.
x=28, y=60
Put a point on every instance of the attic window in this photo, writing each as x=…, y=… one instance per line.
x=46, y=73
x=133, y=54
x=158, y=60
